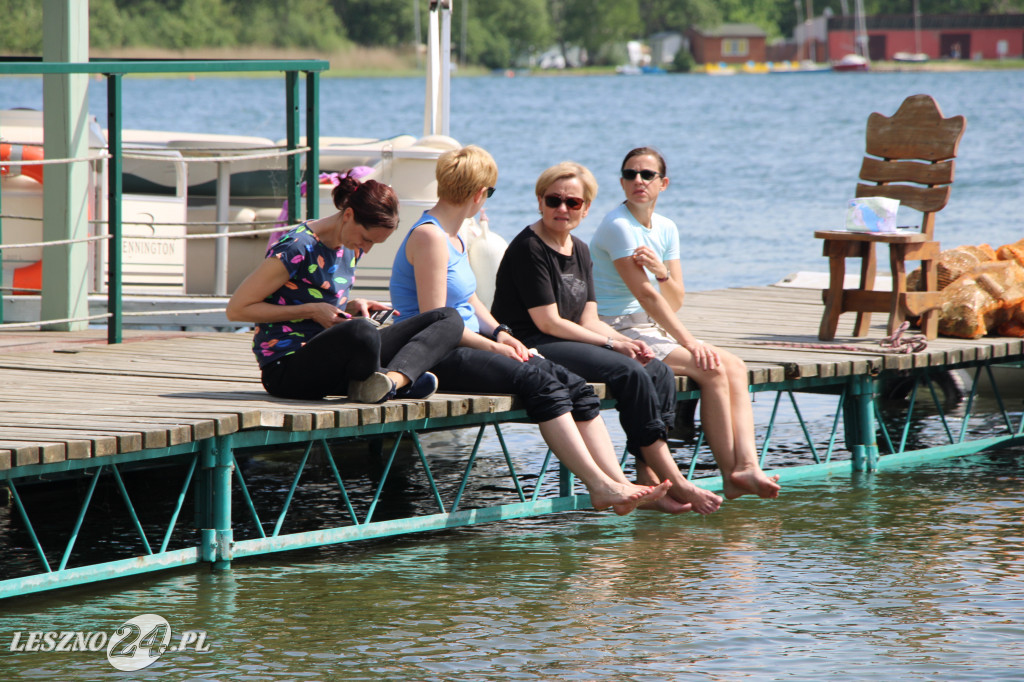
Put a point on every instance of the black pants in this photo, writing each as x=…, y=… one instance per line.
x=546, y=389
x=645, y=394
x=356, y=348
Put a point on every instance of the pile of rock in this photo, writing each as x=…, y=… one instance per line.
x=982, y=290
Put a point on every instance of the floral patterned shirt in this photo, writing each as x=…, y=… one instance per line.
x=315, y=274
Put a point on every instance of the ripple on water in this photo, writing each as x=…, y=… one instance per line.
x=913, y=574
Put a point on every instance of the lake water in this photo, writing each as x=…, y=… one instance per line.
x=911, y=574
x=756, y=162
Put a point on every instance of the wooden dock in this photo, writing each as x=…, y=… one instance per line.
x=72, y=405
x=70, y=396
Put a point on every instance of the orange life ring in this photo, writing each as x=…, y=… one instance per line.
x=22, y=152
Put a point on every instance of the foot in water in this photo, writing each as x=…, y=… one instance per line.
x=627, y=497
x=750, y=482
x=703, y=501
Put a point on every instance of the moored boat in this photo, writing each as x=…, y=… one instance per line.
x=852, y=62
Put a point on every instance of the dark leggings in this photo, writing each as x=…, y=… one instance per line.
x=546, y=389
x=645, y=394
x=356, y=348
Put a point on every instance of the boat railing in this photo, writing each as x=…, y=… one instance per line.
x=114, y=71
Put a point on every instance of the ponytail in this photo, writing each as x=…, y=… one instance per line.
x=373, y=203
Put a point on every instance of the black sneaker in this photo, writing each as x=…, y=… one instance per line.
x=376, y=388
x=424, y=387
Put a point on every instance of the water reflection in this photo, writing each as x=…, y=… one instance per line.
x=913, y=573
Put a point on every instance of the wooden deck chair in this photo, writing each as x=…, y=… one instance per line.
x=910, y=158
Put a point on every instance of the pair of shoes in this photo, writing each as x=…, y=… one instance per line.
x=423, y=387
x=376, y=388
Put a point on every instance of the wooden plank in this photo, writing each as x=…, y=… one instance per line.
x=24, y=453
x=80, y=443
x=191, y=387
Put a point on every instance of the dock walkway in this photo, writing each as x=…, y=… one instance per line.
x=72, y=406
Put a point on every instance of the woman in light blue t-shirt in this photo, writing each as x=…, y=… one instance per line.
x=639, y=286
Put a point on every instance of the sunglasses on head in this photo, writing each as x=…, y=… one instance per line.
x=571, y=203
x=490, y=192
x=646, y=175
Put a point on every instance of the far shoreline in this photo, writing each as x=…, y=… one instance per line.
x=374, y=62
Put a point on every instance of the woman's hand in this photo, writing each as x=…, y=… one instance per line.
x=645, y=354
x=645, y=257
x=512, y=347
x=361, y=307
x=327, y=315
x=638, y=350
x=705, y=356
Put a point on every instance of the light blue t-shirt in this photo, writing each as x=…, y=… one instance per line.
x=461, y=280
x=618, y=236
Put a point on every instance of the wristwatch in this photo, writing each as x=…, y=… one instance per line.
x=609, y=344
x=501, y=328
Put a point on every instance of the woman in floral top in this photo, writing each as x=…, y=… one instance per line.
x=312, y=341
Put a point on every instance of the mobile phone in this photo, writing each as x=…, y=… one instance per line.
x=382, y=317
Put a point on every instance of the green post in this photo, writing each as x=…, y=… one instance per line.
x=214, y=502
x=65, y=192
x=114, y=179
x=292, y=122
x=313, y=142
x=860, y=424
x=566, y=481
x=2, y=292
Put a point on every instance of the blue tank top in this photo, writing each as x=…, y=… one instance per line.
x=461, y=280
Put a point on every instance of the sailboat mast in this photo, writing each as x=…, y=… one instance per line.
x=439, y=49
x=917, y=29
x=861, y=41
x=811, y=49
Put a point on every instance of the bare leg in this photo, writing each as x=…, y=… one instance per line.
x=599, y=443
x=565, y=440
x=728, y=422
x=659, y=460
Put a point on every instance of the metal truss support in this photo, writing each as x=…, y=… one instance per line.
x=861, y=440
x=214, y=502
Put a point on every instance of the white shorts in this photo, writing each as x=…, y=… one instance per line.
x=641, y=327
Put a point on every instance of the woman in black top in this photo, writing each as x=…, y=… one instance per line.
x=545, y=292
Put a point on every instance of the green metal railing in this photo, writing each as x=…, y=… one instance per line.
x=115, y=69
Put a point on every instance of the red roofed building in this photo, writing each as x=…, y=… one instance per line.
x=730, y=43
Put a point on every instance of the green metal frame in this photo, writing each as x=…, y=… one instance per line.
x=213, y=477
x=116, y=69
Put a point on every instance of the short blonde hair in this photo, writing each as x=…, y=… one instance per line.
x=461, y=172
x=564, y=171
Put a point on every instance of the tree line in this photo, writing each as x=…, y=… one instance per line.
x=491, y=33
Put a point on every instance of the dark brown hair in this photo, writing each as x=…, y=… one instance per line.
x=647, y=151
x=373, y=203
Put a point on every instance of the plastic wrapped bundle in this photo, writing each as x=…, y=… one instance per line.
x=960, y=260
x=1011, y=320
x=952, y=263
x=1014, y=252
x=973, y=302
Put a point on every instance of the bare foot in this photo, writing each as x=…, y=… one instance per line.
x=703, y=501
x=666, y=505
x=750, y=482
x=625, y=497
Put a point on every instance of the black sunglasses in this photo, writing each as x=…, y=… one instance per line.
x=571, y=203
x=490, y=192
x=646, y=175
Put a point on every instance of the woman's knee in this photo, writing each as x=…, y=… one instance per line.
x=544, y=396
